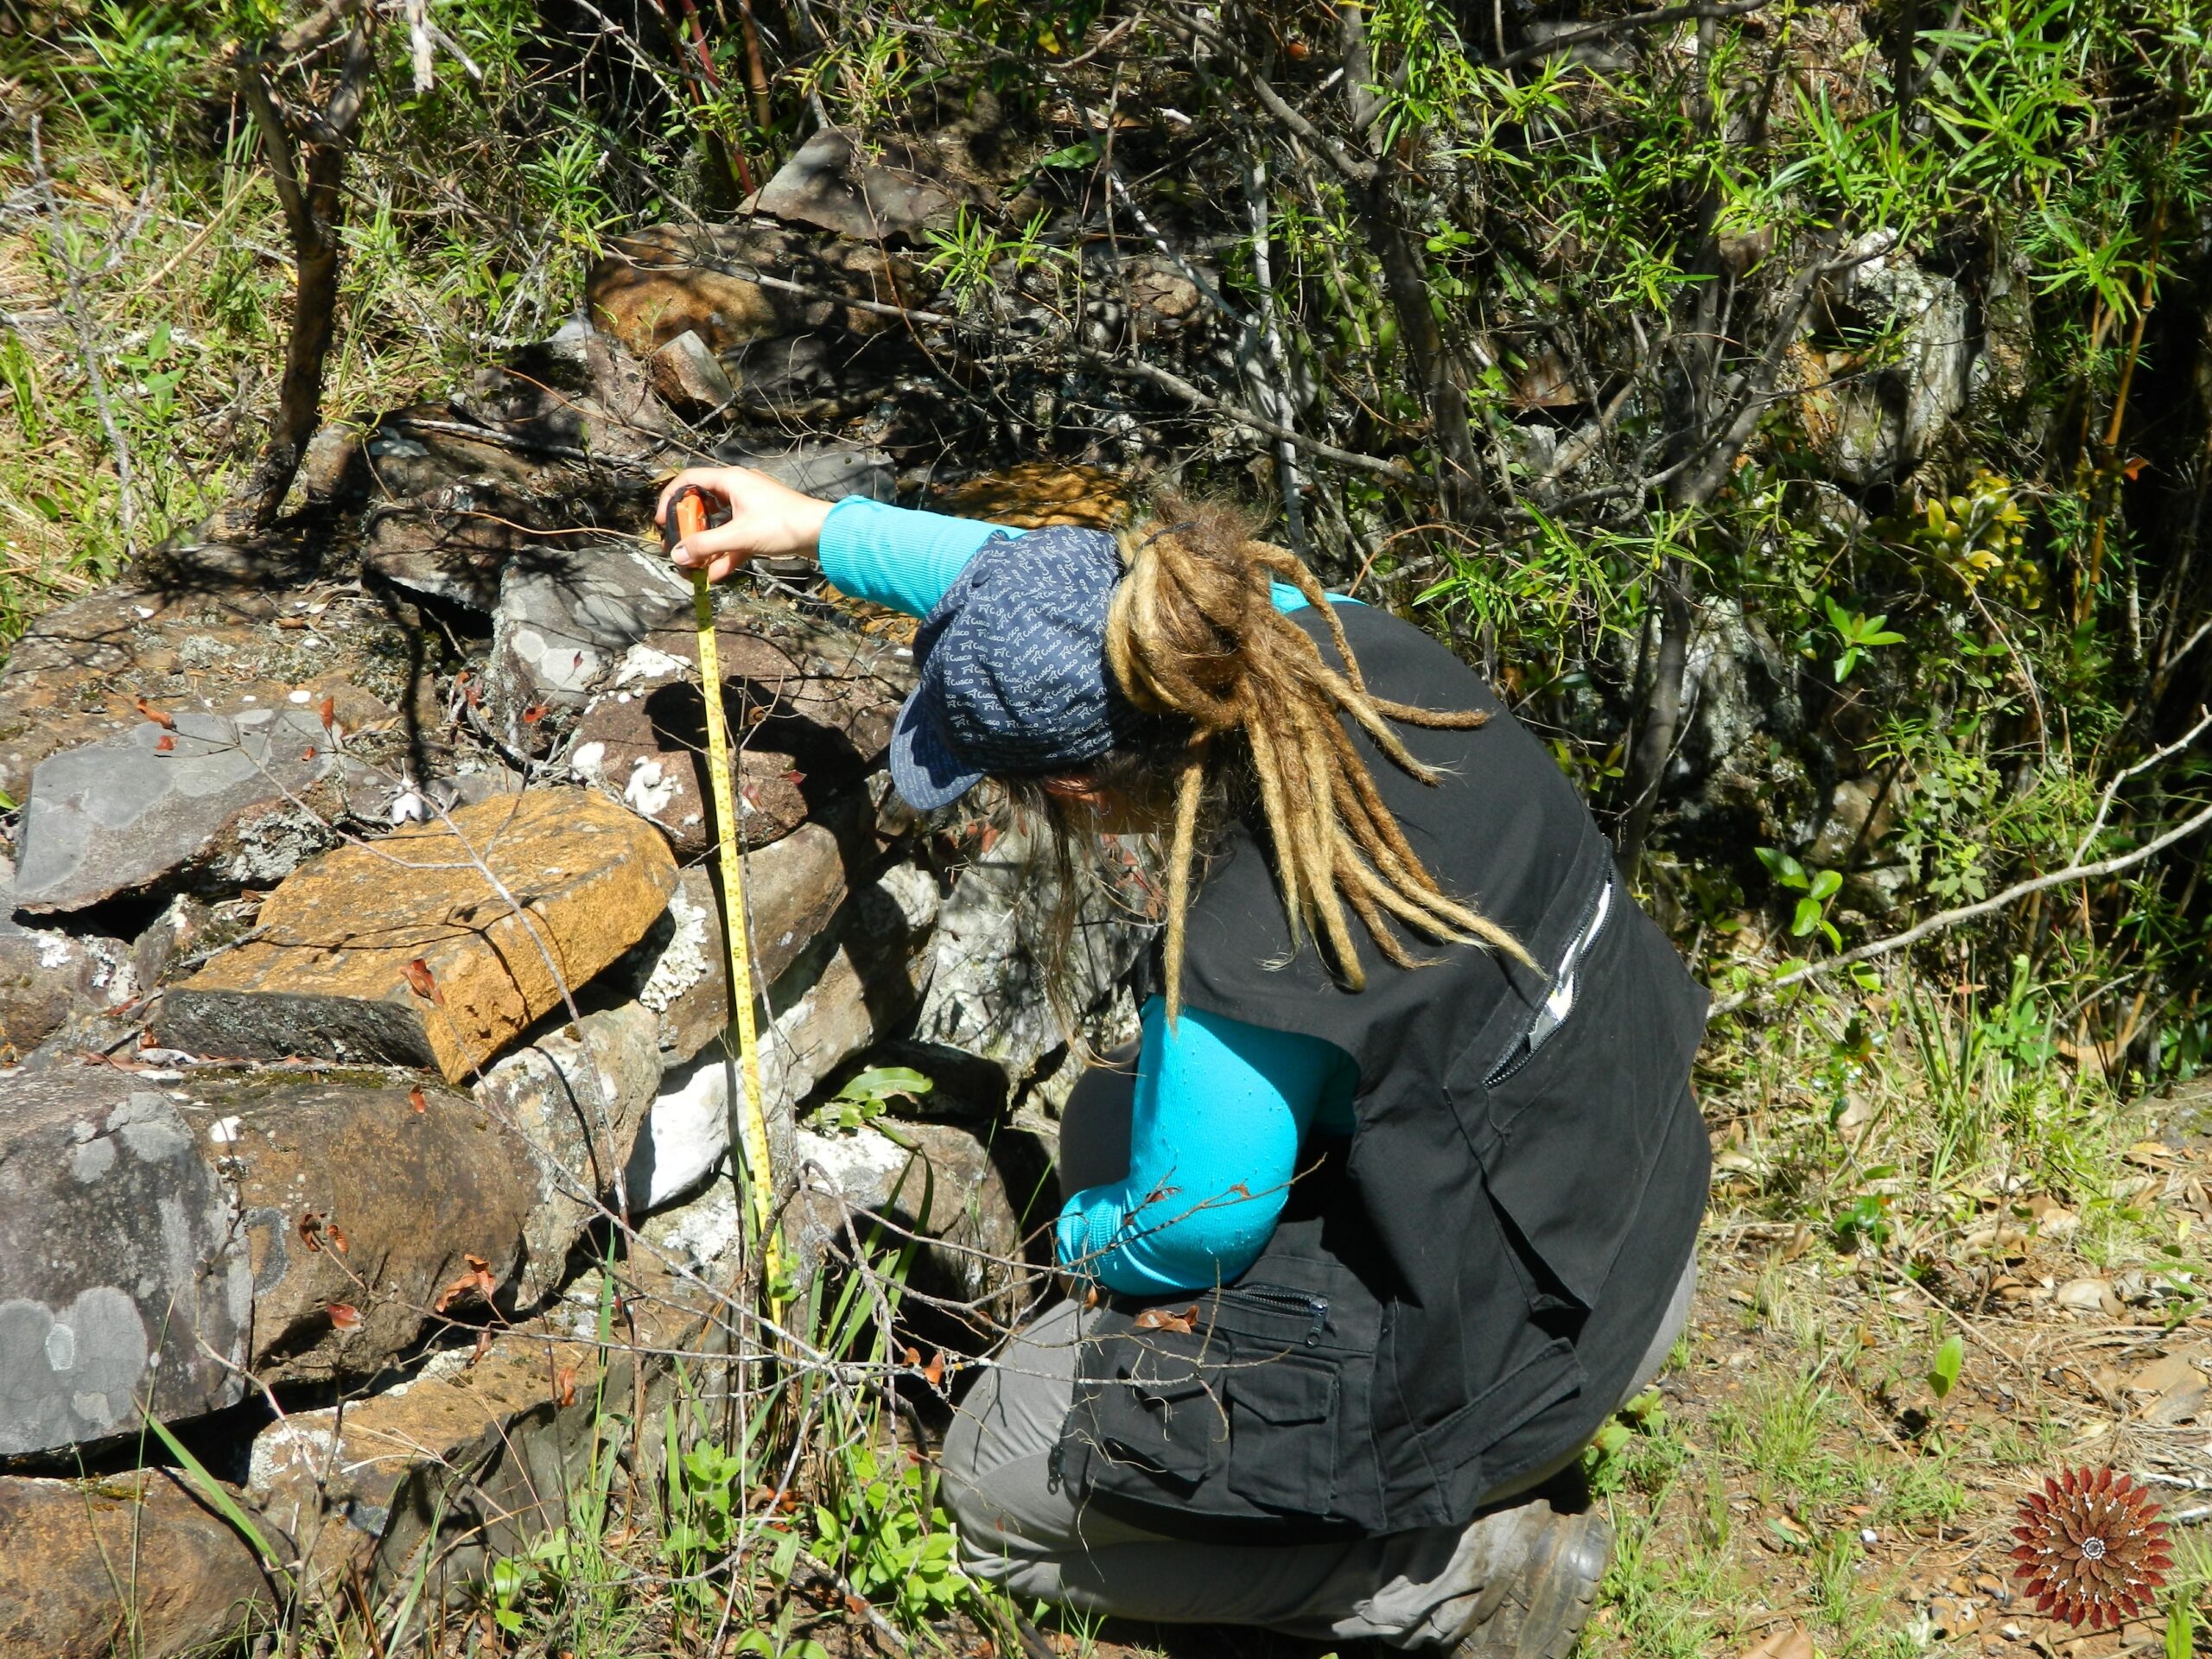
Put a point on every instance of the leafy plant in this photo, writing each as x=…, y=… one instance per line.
x=867, y=1094
x=1855, y=636
x=1816, y=889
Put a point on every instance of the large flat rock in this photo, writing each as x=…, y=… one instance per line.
x=122, y=1279
x=243, y=795
x=835, y=185
x=676, y=279
x=137, y=1564
x=405, y=951
x=75, y=675
x=356, y=1209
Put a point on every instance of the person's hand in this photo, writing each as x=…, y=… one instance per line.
x=768, y=520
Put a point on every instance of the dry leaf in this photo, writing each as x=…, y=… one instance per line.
x=565, y=1386
x=535, y=713
x=336, y=1235
x=933, y=1373
x=310, y=1225
x=1161, y=1318
x=477, y=1279
x=417, y=1099
x=307, y=754
x=423, y=982
x=345, y=1316
x=165, y=744
x=327, y=710
x=160, y=717
x=483, y=1346
x=912, y=1356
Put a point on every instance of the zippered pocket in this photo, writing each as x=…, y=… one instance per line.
x=1299, y=1307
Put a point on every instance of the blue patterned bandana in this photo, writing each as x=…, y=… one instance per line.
x=1013, y=668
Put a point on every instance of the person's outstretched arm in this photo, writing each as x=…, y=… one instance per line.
x=891, y=556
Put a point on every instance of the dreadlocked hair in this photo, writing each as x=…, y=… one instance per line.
x=1193, y=632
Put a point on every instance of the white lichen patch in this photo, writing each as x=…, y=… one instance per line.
x=683, y=962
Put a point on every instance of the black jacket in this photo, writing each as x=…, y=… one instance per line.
x=1460, y=1296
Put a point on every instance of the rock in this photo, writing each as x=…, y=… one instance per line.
x=865, y=985
x=2088, y=1296
x=570, y=420
x=452, y=542
x=328, y=972
x=829, y=470
x=45, y=976
x=986, y=993
x=566, y=617
x=482, y=1447
x=356, y=1210
x=689, y=376
x=792, y=889
x=1873, y=415
x=830, y=184
x=810, y=706
x=575, y=1127
x=1861, y=811
x=122, y=1278
x=72, y=677
x=936, y=1180
x=676, y=279
x=137, y=1563
x=235, y=797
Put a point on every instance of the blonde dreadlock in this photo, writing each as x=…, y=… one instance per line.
x=1193, y=632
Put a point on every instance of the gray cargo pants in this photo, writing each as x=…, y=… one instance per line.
x=1018, y=1526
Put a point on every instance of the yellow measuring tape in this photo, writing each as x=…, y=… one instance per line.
x=689, y=513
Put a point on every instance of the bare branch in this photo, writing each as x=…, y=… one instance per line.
x=1950, y=918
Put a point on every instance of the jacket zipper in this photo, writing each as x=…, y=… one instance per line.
x=1518, y=1054
x=1316, y=1308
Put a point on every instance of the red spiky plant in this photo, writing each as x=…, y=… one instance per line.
x=2092, y=1549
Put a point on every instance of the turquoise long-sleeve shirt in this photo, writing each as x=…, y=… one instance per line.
x=1221, y=1108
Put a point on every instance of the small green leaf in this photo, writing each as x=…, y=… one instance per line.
x=1082, y=154
x=1944, y=1373
x=1808, y=918
x=2181, y=1627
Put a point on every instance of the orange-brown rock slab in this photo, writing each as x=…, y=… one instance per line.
x=136, y=1565
x=405, y=950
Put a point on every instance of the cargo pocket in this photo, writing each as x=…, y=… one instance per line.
x=1159, y=1415
x=1282, y=1413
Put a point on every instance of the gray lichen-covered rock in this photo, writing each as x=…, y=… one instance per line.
x=241, y=796
x=123, y=1278
x=563, y=618
x=1874, y=413
x=357, y=1209
x=986, y=994
x=830, y=183
x=194, y=643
